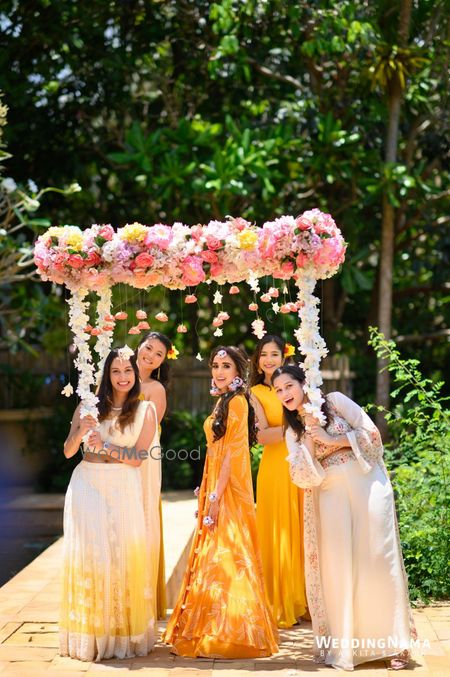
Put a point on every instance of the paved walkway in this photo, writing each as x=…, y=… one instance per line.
x=29, y=640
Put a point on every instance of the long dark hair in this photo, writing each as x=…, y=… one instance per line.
x=162, y=373
x=292, y=419
x=105, y=393
x=219, y=426
x=255, y=377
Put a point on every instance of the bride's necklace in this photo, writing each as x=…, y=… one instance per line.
x=117, y=408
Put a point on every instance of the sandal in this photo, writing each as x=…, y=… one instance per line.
x=400, y=661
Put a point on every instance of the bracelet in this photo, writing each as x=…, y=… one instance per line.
x=212, y=498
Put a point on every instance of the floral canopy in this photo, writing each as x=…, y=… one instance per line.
x=306, y=249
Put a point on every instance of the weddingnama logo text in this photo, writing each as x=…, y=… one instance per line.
x=327, y=643
x=156, y=453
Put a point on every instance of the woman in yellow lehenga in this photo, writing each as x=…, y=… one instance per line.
x=279, y=503
x=222, y=610
x=111, y=535
x=152, y=354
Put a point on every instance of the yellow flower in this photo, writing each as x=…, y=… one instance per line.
x=173, y=353
x=247, y=239
x=74, y=240
x=289, y=350
x=133, y=231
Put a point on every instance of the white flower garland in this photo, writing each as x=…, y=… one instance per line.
x=104, y=340
x=311, y=344
x=78, y=319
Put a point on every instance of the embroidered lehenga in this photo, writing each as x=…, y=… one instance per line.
x=355, y=579
x=222, y=610
x=111, y=553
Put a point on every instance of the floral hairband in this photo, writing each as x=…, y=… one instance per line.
x=173, y=353
x=125, y=352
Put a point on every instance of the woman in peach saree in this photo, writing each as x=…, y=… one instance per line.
x=222, y=610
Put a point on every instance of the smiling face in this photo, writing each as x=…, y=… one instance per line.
x=151, y=355
x=122, y=376
x=289, y=391
x=270, y=358
x=223, y=371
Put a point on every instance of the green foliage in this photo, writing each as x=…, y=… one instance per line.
x=182, y=442
x=419, y=455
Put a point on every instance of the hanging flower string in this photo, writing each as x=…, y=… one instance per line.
x=105, y=322
x=78, y=319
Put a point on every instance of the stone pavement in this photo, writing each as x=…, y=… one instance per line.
x=29, y=640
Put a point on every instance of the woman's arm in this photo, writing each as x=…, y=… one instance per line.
x=156, y=393
x=266, y=434
x=78, y=430
x=365, y=439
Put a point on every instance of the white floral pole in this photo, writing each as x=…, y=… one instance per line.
x=312, y=345
x=104, y=340
x=78, y=319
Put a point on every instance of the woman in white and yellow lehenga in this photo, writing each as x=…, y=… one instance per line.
x=111, y=523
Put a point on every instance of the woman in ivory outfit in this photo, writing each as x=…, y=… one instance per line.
x=111, y=522
x=355, y=579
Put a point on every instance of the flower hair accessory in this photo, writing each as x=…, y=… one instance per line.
x=173, y=353
x=221, y=353
x=214, y=390
x=125, y=352
x=289, y=350
x=208, y=521
x=236, y=383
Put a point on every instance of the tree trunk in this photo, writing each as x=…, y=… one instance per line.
x=387, y=228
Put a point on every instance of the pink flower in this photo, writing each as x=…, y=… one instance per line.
x=285, y=308
x=217, y=322
x=75, y=261
x=121, y=315
x=253, y=306
x=209, y=256
x=301, y=260
x=143, y=325
x=213, y=242
x=196, y=491
x=223, y=315
x=159, y=235
x=161, y=317
x=93, y=259
x=239, y=223
x=234, y=289
x=303, y=223
x=182, y=329
x=190, y=298
x=108, y=327
x=193, y=272
x=88, y=328
x=96, y=331
x=274, y=293
x=143, y=260
x=134, y=330
x=266, y=298
x=196, y=232
x=141, y=315
x=216, y=269
x=285, y=272
x=106, y=232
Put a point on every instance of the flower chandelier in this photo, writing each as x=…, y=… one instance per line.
x=306, y=249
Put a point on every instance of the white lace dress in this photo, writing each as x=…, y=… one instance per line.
x=111, y=552
x=355, y=579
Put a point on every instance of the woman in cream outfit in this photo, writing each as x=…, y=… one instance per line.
x=111, y=523
x=355, y=579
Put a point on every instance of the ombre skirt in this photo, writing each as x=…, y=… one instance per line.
x=107, y=608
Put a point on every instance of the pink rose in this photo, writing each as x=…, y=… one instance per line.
x=213, y=242
x=301, y=260
x=75, y=261
x=209, y=256
x=216, y=269
x=303, y=223
x=196, y=232
x=193, y=272
x=93, y=259
x=143, y=260
x=106, y=232
x=285, y=272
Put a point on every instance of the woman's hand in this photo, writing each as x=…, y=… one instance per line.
x=213, y=512
x=86, y=424
x=319, y=434
x=95, y=442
